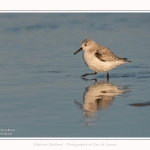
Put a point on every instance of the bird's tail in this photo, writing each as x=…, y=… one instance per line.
x=125, y=60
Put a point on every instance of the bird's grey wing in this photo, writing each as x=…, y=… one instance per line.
x=104, y=54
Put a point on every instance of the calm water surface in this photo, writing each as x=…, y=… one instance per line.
x=41, y=92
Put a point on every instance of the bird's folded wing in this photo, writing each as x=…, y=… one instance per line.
x=104, y=54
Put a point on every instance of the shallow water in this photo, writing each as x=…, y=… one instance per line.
x=41, y=92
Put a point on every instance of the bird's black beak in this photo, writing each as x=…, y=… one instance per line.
x=78, y=51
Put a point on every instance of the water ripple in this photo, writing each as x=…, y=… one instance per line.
x=138, y=75
x=34, y=27
x=140, y=104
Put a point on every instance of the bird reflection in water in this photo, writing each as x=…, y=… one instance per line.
x=99, y=96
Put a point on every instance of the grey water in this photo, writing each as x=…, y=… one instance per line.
x=41, y=92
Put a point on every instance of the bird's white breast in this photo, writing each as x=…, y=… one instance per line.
x=97, y=65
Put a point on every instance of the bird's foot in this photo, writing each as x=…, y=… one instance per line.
x=84, y=75
x=88, y=74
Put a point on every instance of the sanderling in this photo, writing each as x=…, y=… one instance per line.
x=99, y=58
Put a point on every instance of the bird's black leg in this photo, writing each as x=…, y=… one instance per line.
x=107, y=76
x=88, y=74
